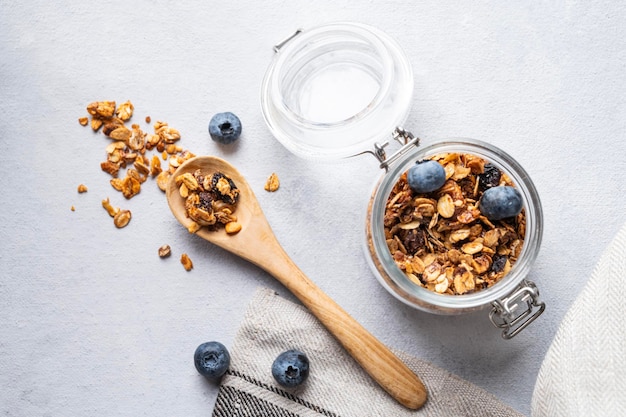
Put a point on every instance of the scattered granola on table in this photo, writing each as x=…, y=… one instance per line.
x=165, y=251
x=122, y=218
x=441, y=240
x=273, y=183
x=129, y=147
x=210, y=200
x=186, y=261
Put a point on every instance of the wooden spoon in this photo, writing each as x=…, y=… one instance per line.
x=257, y=243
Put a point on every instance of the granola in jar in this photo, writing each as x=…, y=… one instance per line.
x=441, y=240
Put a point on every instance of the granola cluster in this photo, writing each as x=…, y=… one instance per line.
x=210, y=200
x=129, y=150
x=441, y=241
x=129, y=147
x=273, y=183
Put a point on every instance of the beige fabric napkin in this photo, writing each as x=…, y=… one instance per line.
x=584, y=371
x=337, y=386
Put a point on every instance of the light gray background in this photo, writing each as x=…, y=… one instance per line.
x=94, y=323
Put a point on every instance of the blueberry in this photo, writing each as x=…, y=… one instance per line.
x=291, y=368
x=225, y=128
x=212, y=360
x=500, y=202
x=426, y=176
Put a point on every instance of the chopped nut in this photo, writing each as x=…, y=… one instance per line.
x=193, y=227
x=96, y=124
x=186, y=261
x=155, y=166
x=142, y=166
x=73, y=208
x=232, y=227
x=272, y=183
x=148, y=119
x=121, y=133
x=130, y=187
x=82, y=188
x=125, y=110
x=165, y=251
x=187, y=179
x=117, y=183
x=83, y=121
x=109, y=208
x=122, y=218
x=111, y=124
x=166, y=133
x=137, y=139
x=101, y=109
x=115, y=146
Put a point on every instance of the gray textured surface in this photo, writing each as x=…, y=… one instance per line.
x=94, y=323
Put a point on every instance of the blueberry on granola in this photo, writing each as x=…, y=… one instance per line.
x=501, y=202
x=291, y=368
x=426, y=176
x=225, y=128
x=211, y=360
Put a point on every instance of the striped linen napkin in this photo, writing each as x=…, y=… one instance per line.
x=337, y=386
x=583, y=373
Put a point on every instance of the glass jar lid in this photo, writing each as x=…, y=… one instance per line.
x=334, y=90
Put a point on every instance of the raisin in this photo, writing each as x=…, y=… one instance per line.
x=205, y=201
x=490, y=177
x=499, y=262
x=412, y=240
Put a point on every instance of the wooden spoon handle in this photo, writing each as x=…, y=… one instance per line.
x=375, y=358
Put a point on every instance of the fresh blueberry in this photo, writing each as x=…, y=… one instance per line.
x=225, y=128
x=501, y=202
x=291, y=368
x=426, y=176
x=212, y=360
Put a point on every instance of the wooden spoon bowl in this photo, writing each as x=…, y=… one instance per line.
x=257, y=243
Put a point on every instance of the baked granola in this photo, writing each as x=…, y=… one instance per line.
x=210, y=200
x=441, y=240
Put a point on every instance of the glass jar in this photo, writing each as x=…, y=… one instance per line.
x=513, y=299
x=332, y=91
x=339, y=90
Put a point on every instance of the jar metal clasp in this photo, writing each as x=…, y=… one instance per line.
x=516, y=311
x=404, y=137
x=282, y=43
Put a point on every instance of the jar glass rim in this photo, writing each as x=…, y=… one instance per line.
x=306, y=43
x=367, y=120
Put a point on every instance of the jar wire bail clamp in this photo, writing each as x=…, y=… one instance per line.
x=505, y=312
x=404, y=137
